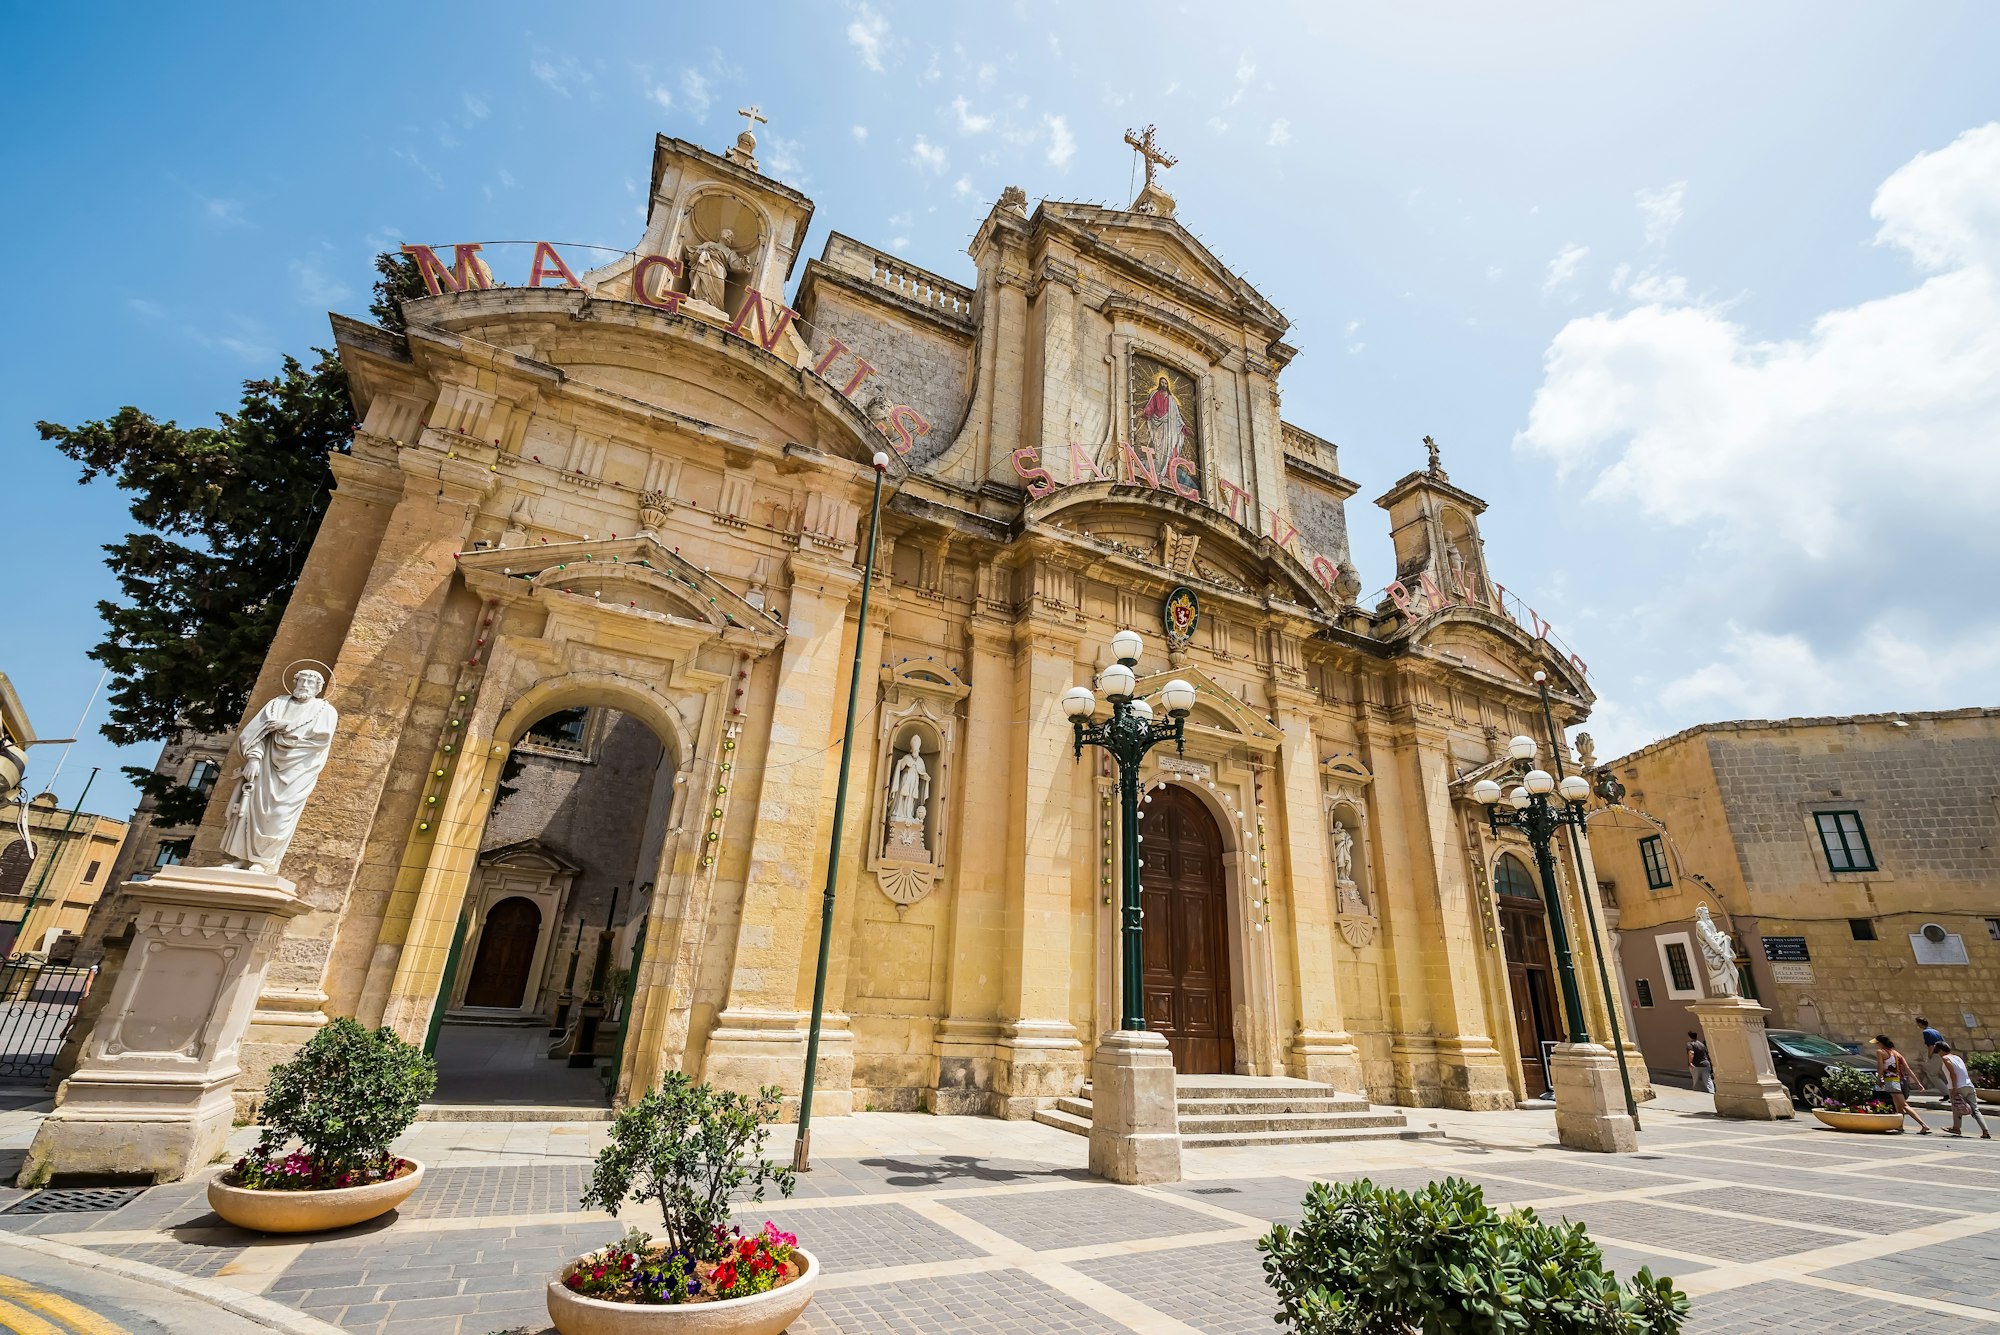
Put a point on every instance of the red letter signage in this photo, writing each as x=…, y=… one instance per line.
x=642, y=272
x=467, y=269
x=548, y=263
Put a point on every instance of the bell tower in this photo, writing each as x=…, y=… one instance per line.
x=1435, y=528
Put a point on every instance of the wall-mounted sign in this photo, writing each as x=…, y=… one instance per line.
x=1791, y=973
x=1786, y=948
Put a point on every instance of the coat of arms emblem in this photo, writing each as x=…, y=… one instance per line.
x=1179, y=615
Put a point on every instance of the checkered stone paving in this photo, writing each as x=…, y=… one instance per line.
x=1778, y=1305
x=990, y=1303
x=483, y=1193
x=1636, y=1223
x=1802, y=1208
x=865, y=1237
x=1051, y=1220
x=1965, y=1271
x=1218, y=1288
x=177, y=1257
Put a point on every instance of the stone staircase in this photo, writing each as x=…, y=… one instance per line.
x=1217, y=1110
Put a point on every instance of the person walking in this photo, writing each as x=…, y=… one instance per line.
x=1892, y=1075
x=1931, y=1038
x=1958, y=1088
x=1698, y=1064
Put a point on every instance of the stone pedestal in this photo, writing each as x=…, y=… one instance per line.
x=151, y=1095
x=1745, y=1084
x=1135, y=1133
x=1590, y=1100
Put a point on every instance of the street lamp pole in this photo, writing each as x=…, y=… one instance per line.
x=1531, y=812
x=802, y=1148
x=1611, y=998
x=1128, y=735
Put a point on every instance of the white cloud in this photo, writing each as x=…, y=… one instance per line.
x=315, y=284
x=694, y=86
x=1062, y=146
x=506, y=178
x=476, y=107
x=928, y=155
x=1564, y=266
x=868, y=32
x=1662, y=210
x=152, y=310
x=1354, y=344
x=987, y=74
x=967, y=122
x=899, y=244
x=228, y=212
x=662, y=95
x=1494, y=273
x=1826, y=497
x=962, y=187
x=428, y=172
x=1217, y=124
x=565, y=76
x=1245, y=72
x=1281, y=132
x=781, y=156
x=860, y=133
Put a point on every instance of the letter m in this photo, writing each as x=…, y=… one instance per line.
x=467, y=270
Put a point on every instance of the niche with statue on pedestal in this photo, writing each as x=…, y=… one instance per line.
x=1346, y=784
x=912, y=820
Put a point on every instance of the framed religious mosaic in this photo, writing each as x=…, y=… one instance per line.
x=1163, y=413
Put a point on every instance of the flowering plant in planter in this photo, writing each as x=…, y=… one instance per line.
x=688, y=1148
x=1851, y=1089
x=1984, y=1068
x=344, y=1098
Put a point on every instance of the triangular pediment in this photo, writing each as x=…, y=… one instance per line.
x=1216, y=710
x=1161, y=248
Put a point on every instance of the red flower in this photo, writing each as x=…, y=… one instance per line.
x=724, y=1276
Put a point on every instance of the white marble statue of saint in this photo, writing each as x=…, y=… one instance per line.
x=1343, y=856
x=284, y=748
x=1718, y=952
x=909, y=784
x=710, y=265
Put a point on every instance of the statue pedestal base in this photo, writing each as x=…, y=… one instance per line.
x=1590, y=1100
x=1135, y=1133
x=151, y=1096
x=1746, y=1086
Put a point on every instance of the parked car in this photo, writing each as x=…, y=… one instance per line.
x=1801, y=1058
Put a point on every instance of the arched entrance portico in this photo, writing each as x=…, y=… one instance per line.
x=1530, y=980
x=1187, y=979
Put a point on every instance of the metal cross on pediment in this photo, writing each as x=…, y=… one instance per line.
x=753, y=116
x=1149, y=149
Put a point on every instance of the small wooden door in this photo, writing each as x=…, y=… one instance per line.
x=1186, y=935
x=1524, y=930
x=506, y=951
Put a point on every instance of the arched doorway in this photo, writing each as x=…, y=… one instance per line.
x=499, y=977
x=1186, y=975
x=1524, y=933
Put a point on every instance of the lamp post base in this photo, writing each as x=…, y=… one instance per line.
x=1590, y=1100
x=1135, y=1131
x=1746, y=1085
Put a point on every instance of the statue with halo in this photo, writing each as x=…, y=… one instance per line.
x=284, y=748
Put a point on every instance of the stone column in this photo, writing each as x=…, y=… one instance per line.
x=152, y=1095
x=1135, y=1133
x=1590, y=1099
x=1321, y=1047
x=1746, y=1086
x=760, y=1036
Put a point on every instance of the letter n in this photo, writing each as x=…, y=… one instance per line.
x=767, y=334
x=466, y=271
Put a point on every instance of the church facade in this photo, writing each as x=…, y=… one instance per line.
x=641, y=492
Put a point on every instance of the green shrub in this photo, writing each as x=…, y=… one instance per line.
x=344, y=1098
x=1985, y=1068
x=1365, y=1261
x=1851, y=1089
x=686, y=1147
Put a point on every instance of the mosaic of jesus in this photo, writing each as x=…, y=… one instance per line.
x=1162, y=420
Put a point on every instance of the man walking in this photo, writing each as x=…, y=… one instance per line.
x=1698, y=1064
x=1933, y=1072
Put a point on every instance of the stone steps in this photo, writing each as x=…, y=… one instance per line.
x=1216, y=1111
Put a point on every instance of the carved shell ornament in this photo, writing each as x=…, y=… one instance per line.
x=904, y=882
x=1359, y=930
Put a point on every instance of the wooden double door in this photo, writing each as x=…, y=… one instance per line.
x=1186, y=933
x=1524, y=932
x=506, y=953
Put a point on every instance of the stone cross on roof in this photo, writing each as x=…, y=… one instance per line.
x=754, y=116
x=1150, y=150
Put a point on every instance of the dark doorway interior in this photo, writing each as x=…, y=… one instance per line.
x=506, y=950
x=1530, y=980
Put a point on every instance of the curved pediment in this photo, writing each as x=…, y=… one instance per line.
x=1180, y=539
x=662, y=365
x=1473, y=639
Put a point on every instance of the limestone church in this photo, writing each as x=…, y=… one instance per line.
x=636, y=496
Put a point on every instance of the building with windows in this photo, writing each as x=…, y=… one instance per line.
x=50, y=881
x=192, y=758
x=1856, y=862
x=639, y=494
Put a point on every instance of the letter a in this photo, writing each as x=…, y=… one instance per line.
x=547, y=262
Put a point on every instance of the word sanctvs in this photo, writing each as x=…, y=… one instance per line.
x=902, y=424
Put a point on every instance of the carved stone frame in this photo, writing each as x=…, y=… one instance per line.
x=925, y=694
x=1344, y=782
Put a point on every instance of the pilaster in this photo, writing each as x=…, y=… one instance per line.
x=1321, y=1048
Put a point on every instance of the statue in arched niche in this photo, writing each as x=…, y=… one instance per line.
x=1347, y=893
x=909, y=793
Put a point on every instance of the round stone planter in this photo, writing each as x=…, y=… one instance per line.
x=1859, y=1121
x=1989, y=1095
x=310, y=1211
x=759, y=1314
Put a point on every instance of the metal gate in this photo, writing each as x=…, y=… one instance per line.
x=37, y=1002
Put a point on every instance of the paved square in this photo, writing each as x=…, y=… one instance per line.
x=938, y=1225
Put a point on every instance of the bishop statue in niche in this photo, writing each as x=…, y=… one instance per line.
x=1163, y=421
x=909, y=802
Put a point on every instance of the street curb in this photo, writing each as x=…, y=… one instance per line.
x=249, y=1306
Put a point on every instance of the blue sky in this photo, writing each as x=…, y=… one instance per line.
x=1702, y=299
